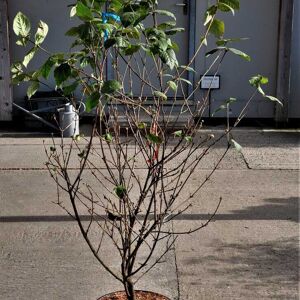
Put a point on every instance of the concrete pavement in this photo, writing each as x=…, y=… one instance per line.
x=249, y=251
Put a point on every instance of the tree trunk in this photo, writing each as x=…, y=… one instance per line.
x=129, y=289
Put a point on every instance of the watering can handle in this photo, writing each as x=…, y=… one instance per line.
x=81, y=108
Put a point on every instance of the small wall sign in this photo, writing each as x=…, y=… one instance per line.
x=210, y=82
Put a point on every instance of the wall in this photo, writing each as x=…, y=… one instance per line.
x=56, y=14
x=235, y=72
x=294, y=106
x=257, y=20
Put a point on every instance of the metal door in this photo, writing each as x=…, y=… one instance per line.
x=294, y=105
x=131, y=82
x=257, y=20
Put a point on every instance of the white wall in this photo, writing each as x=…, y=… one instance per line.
x=294, y=106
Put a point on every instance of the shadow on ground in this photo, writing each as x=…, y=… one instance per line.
x=273, y=209
x=269, y=270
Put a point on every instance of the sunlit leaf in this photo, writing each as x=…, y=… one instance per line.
x=21, y=25
x=236, y=145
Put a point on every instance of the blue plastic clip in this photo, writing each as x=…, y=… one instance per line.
x=105, y=17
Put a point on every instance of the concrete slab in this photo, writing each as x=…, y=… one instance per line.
x=43, y=255
x=47, y=260
x=272, y=158
x=250, y=250
x=34, y=157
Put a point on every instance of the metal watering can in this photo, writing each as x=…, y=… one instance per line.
x=69, y=119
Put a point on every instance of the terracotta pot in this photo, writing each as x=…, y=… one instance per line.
x=140, y=295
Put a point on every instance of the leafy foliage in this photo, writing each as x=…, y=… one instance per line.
x=111, y=86
x=92, y=101
x=154, y=138
x=259, y=80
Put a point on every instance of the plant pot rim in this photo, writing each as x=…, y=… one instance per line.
x=107, y=296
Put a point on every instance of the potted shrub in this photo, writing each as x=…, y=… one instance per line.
x=132, y=172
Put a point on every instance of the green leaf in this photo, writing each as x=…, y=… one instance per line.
x=16, y=79
x=160, y=95
x=82, y=153
x=92, y=101
x=185, y=80
x=260, y=90
x=22, y=42
x=224, y=105
x=62, y=73
x=46, y=67
x=155, y=139
x=120, y=191
x=29, y=56
x=73, y=11
x=274, y=99
x=204, y=40
x=188, y=138
x=83, y=12
x=128, y=18
x=142, y=125
x=16, y=68
x=230, y=4
x=172, y=85
x=240, y=53
x=73, y=31
x=122, y=42
x=171, y=59
x=32, y=89
x=69, y=89
x=217, y=28
x=111, y=86
x=257, y=80
x=21, y=25
x=178, y=133
x=165, y=13
x=271, y=98
x=224, y=7
x=132, y=49
x=209, y=14
x=166, y=25
x=41, y=33
x=108, y=137
x=174, y=30
x=224, y=42
x=213, y=51
x=175, y=46
x=110, y=42
x=190, y=69
x=236, y=145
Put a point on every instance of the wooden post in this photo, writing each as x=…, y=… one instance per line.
x=5, y=83
x=284, y=60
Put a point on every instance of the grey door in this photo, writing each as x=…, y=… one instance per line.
x=132, y=82
x=258, y=21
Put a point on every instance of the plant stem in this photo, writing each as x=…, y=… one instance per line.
x=129, y=289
